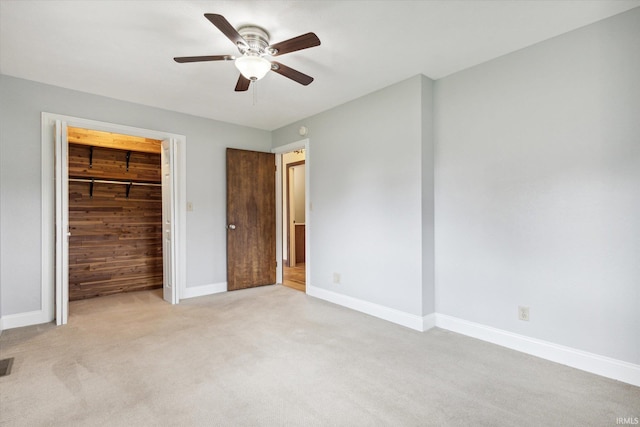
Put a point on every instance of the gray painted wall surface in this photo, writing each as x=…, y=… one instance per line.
x=365, y=169
x=538, y=190
x=21, y=104
x=428, y=194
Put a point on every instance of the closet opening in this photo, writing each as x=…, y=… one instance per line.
x=55, y=227
x=114, y=213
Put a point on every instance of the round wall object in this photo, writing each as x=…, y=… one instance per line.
x=303, y=130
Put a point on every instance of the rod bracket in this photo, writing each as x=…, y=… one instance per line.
x=129, y=185
x=90, y=157
x=128, y=158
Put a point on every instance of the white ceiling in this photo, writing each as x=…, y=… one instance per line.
x=125, y=49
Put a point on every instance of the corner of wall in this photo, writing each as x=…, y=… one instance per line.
x=427, y=203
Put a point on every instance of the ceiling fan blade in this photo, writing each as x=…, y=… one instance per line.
x=294, y=75
x=304, y=41
x=243, y=84
x=226, y=28
x=183, y=59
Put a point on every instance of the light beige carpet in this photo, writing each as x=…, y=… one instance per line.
x=273, y=356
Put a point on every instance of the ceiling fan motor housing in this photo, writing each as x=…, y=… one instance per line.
x=257, y=41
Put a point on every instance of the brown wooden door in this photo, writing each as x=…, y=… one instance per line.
x=251, y=219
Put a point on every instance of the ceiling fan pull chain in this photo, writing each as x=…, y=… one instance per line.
x=255, y=93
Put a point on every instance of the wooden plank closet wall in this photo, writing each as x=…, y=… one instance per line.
x=116, y=241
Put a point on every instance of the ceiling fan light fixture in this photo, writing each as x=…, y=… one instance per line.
x=253, y=67
x=254, y=43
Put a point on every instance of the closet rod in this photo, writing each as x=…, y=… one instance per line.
x=103, y=181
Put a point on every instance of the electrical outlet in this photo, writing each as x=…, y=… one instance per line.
x=336, y=278
x=523, y=313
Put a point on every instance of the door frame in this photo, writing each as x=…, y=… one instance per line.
x=51, y=263
x=279, y=151
x=167, y=170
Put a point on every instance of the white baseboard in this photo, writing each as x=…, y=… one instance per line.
x=392, y=315
x=199, y=291
x=23, y=319
x=590, y=362
x=428, y=321
x=37, y=317
x=585, y=361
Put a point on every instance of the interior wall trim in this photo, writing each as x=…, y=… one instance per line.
x=411, y=321
x=48, y=261
x=585, y=361
x=202, y=290
x=429, y=321
x=278, y=151
x=23, y=319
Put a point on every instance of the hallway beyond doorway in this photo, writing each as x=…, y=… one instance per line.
x=294, y=277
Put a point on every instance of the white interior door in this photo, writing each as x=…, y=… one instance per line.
x=169, y=287
x=62, y=222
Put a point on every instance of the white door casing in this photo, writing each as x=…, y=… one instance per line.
x=55, y=284
x=62, y=222
x=169, y=292
x=302, y=144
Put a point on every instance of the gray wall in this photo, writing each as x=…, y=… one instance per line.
x=428, y=198
x=535, y=199
x=538, y=190
x=21, y=104
x=366, y=177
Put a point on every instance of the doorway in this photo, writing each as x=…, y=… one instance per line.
x=293, y=238
x=115, y=213
x=55, y=224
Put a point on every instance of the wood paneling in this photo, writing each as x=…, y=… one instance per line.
x=108, y=163
x=116, y=242
x=112, y=140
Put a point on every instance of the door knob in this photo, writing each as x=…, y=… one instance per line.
x=232, y=227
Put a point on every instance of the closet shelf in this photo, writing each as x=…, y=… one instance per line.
x=129, y=184
x=127, y=156
x=107, y=181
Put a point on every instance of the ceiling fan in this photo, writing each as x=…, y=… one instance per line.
x=254, y=44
